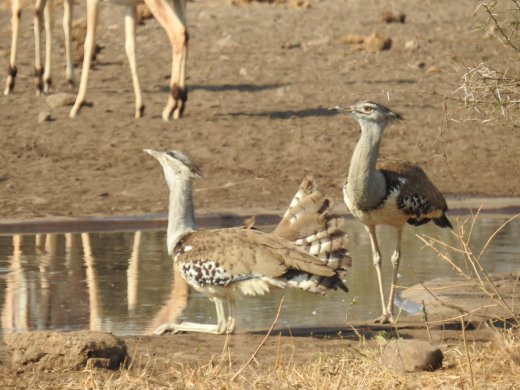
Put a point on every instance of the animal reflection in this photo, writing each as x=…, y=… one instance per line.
x=56, y=281
x=37, y=296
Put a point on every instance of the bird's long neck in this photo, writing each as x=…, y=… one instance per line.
x=366, y=185
x=181, y=214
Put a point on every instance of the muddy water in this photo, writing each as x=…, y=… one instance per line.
x=122, y=281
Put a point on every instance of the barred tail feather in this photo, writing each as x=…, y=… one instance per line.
x=307, y=187
x=309, y=224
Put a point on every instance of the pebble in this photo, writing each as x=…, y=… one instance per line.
x=411, y=356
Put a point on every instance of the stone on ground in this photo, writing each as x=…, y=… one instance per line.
x=411, y=355
x=58, y=351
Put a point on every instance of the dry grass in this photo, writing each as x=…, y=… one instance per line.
x=495, y=366
x=473, y=268
x=491, y=93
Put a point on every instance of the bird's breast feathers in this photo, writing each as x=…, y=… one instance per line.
x=386, y=214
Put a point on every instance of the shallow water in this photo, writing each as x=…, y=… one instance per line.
x=122, y=282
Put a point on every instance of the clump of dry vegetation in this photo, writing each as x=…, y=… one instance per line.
x=505, y=339
x=493, y=91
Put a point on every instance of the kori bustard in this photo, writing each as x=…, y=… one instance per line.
x=43, y=16
x=172, y=18
x=308, y=249
x=387, y=192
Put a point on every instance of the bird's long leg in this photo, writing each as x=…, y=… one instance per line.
x=231, y=323
x=130, y=22
x=396, y=257
x=218, y=328
x=376, y=257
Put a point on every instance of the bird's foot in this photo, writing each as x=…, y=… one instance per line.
x=385, y=319
x=166, y=327
x=230, y=325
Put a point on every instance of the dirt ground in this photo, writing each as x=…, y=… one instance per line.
x=261, y=77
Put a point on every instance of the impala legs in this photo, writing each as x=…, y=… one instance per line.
x=90, y=41
x=16, y=12
x=42, y=74
x=67, y=28
x=130, y=22
x=42, y=78
x=173, y=20
x=49, y=27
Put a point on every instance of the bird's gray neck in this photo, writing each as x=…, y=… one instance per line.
x=181, y=215
x=366, y=185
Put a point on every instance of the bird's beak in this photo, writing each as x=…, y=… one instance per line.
x=153, y=153
x=343, y=110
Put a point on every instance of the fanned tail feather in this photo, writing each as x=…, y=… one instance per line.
x=310, y=225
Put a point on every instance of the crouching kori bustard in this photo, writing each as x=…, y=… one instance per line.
x=307, y=250
x=172, y=18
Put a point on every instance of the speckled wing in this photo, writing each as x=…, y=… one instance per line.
x=245, y=252
x=418, y=196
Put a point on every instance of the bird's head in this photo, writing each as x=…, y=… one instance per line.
x=175, y=164
x=370, y=112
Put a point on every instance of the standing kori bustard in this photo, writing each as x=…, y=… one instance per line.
x=308, y=249
x=173, y=19
x=43, y=15
x=387, y=192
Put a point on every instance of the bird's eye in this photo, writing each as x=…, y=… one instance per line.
x=368, y=109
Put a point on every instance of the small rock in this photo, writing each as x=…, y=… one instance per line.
x=291, y=45
x=412, y=44
x=317, y=42
x=305, y=4
x=411, y=355
x=44, y=116
x=375, y=43
x=226, y=41
x=419, y=64
x=393, y=17
x=433, y=69
x=60, y=351
x=38, y=201
x=243, y=72
x=350, y=39
x=60, y=99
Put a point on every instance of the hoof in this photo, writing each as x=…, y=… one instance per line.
x=139, y=112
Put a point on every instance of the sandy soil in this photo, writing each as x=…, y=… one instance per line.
x=260, y=77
